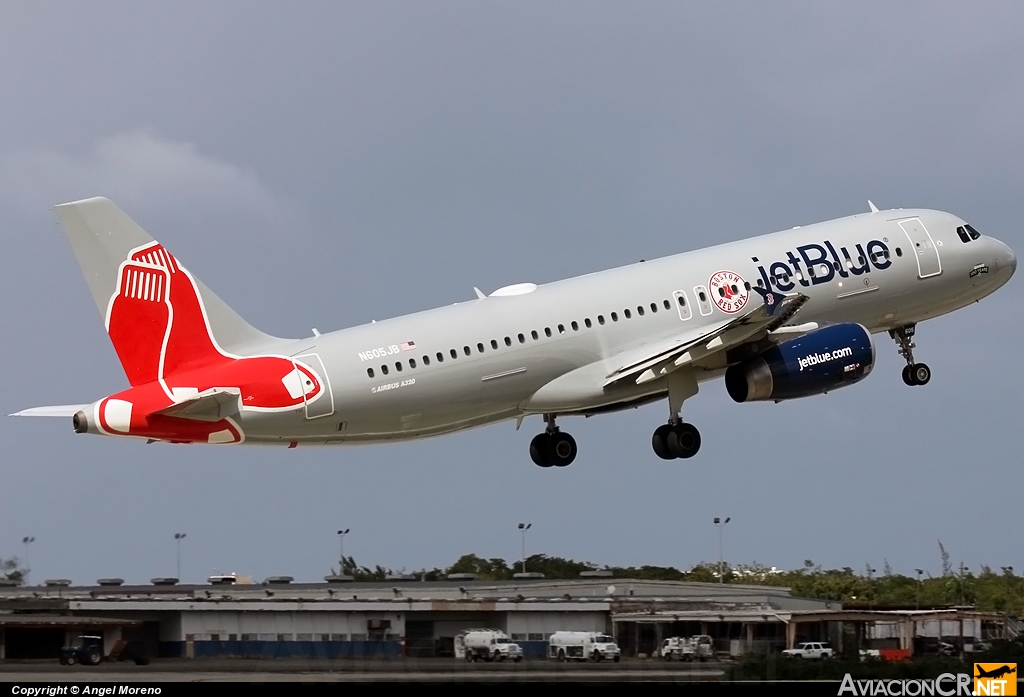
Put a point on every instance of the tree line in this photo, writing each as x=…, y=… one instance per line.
x=986, y=590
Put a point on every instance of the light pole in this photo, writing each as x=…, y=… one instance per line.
x=919, y=572
x=523, y=527
x=178, y=537
x=962, y=584
x=721, y=559
x=341, y=539
x=27, y=541
x=871, y=587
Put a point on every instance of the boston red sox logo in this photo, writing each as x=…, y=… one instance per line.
x=160, y=330
x=729, y=291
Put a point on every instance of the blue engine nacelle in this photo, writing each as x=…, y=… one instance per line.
x=822, y=360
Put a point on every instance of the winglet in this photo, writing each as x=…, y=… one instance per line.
x=874, y=208
x=479, y=293
x=771, y=299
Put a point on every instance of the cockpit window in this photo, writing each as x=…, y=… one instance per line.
x=973, y=233
x=963, y=234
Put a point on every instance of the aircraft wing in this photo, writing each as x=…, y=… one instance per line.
x=213, y=404
x=659, y=360
x=60, y=410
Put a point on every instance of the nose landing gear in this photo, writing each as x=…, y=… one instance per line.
x=914, y=373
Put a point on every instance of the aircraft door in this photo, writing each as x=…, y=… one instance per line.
x=928, y=263
x=682, y=304
x=703, y=299
x=321, y=405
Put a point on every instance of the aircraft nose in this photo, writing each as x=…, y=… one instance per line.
x=1007, y=260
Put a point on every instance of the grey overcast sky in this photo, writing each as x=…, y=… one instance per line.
x=324, y=164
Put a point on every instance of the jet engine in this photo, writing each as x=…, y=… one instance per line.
x=825, y=359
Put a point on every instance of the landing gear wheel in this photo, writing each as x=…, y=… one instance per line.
x=538, y=448
x=560, y=449
x=908, y=378
x=921, y=374
x=660, y=443
x=683, y=440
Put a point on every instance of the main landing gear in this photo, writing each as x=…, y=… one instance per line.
x=677, y=439
x=913, y=373
x=553, y=448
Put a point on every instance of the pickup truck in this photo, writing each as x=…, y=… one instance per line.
x=810, y=649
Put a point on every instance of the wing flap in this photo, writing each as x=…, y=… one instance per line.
x=770, y=315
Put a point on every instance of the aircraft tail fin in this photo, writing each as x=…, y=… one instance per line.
x=159, y=317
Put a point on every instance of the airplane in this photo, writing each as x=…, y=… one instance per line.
x=783, y=316
x=994, y=673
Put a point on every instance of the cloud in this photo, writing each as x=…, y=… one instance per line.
x=139, y=171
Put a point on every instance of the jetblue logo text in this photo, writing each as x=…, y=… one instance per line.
x=816, y=358
x=811, y=264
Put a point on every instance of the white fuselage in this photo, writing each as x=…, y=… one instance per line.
x=489, y=359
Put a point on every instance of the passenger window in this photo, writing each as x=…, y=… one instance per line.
x=746, y=285
x=369, y=371
x=668, y=305
x=575, y=327
x=426, y=360
x=508, y=341
x=640, y=310
x=534, y=335
x=735, y=290
x=440, y=357
x=654, y=307
x=625, y=313
x=465, y=350
x=600, y=319
x=810, y=271
x=547, y=332
x=681, y=299
x=398, y=366
x=703, y=298
x=615, y=317
x=494, y=344
x=384, y=369
x=899, y=253
x=522, y=339
x=561, y=329
x=586, y=321
x=412, y=362
x=454, y=355
x=479, y=348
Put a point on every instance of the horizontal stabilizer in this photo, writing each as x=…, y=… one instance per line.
x=211, y=405
x=61, y=410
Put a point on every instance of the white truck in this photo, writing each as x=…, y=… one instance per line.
x=488, y=645
x=695, y=648
x=811, y=650
x=582, y=646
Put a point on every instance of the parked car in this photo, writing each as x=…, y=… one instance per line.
x=810, y=649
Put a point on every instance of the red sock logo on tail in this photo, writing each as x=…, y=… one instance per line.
x=161, y=333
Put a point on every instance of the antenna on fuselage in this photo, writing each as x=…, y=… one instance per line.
x=479, y=293
x=874, y=208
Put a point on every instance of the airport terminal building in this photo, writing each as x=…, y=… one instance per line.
x=405, y=617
